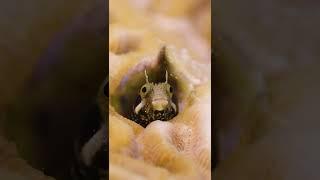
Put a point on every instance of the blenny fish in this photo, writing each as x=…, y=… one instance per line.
x=155, y=103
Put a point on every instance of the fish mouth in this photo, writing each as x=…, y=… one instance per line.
x=159, y=104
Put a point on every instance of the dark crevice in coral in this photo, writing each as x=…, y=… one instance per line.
x=126, y=96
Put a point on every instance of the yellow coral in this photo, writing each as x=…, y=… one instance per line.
x=179, y=148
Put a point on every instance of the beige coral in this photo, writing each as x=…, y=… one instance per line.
x=177, y=149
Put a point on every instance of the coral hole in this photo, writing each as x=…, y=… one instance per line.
x=126, y=96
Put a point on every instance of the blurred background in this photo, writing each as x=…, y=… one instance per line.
x=265, y=82
x=266, y=91
x=52, y=63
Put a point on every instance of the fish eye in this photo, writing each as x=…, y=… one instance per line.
x=171, y=89
x=144, y=89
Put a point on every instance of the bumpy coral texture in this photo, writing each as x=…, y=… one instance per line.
x=175, y=149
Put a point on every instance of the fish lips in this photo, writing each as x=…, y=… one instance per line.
x=159, y=104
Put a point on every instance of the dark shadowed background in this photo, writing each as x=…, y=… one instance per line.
x=52, y=62
x=266, y=89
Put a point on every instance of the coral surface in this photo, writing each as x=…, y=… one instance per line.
x=179, y=148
